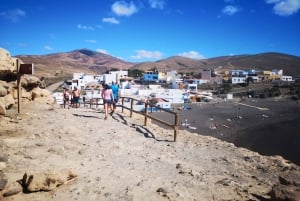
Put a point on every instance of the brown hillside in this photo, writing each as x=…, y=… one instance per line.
x=87, y=61
x=267, y=61
x=82, y=60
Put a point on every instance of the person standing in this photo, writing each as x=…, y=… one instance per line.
x=66, y=98
x=42, y=83
x=76, y=95
x=108, y=98
x=115, y=90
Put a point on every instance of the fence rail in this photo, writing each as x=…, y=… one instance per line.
x=96, y=102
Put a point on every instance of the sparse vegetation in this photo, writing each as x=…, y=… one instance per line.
x=135, y=73
x=274, y=91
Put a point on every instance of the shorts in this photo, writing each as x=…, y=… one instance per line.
x=108, y=101
x=75, y=99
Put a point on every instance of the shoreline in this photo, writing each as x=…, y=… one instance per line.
x=267, y=126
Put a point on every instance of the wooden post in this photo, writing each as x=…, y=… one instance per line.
x=122, y=104
x=146, y=114
x=131, y=107
x=176, y=127
x=18, y=85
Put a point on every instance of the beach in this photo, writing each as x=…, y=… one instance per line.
x=268, y=126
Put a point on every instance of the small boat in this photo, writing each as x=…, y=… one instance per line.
x=192, y=127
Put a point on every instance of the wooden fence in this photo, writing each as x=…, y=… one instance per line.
x=145, y=113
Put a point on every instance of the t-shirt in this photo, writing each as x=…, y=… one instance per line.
x=115, y=91
x=106, y=94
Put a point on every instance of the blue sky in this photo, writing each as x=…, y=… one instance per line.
x=150, y=30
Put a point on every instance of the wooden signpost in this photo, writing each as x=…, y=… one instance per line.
x=21, y=70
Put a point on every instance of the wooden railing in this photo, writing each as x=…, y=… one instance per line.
x=174, y=126
x=145, y=113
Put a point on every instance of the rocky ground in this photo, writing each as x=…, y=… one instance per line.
x=74, y=154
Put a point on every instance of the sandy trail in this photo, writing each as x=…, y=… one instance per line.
x=119, y=159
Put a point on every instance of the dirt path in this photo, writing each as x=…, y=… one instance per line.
x=118, y=159
x=54, y=86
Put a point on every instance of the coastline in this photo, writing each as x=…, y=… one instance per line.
x=267, y=126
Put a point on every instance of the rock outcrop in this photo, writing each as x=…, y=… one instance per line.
x=8, y=85
x=8, y=64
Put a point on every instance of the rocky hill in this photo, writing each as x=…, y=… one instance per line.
x=84, y=60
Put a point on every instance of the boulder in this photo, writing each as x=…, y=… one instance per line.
x=3, y=91
x=38, y=92
x=30, y=82
x=46, y=181
x=8, y=65
x=2, y=108
x=12, y=189
x=9, y=101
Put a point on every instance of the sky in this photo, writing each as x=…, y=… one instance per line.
x=151, y=30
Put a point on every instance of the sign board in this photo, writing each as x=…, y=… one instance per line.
x=26, y=69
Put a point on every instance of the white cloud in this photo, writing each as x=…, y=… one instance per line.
x=84, y=27
x=47, y=47
x=230, y=10
x=111, y=20
x=13, y=15
x=157, y=4
x=90, y=41
x=285, y=7
x=122, y=8
x=192, y=54
x=102, y=51
x=144, y=54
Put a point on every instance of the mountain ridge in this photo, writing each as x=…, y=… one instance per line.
x=88, y=61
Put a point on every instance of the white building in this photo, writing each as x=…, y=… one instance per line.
x=172, y=75
x=80, y=80
x=114, y=76
x=287, y=78
x=238, y=80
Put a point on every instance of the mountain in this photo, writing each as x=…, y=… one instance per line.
x=265, y=61
x=87, y=61
x=82, y=60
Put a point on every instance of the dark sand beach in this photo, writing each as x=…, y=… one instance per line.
x=266, y=126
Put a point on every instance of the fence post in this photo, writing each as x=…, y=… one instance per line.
x=146, y=114
x=122, y=104
x=131, y=107
x=176, y=127
x=19, y=92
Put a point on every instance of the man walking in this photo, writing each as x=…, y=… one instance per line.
x=115, y=89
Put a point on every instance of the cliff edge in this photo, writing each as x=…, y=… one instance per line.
x=120, y=159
